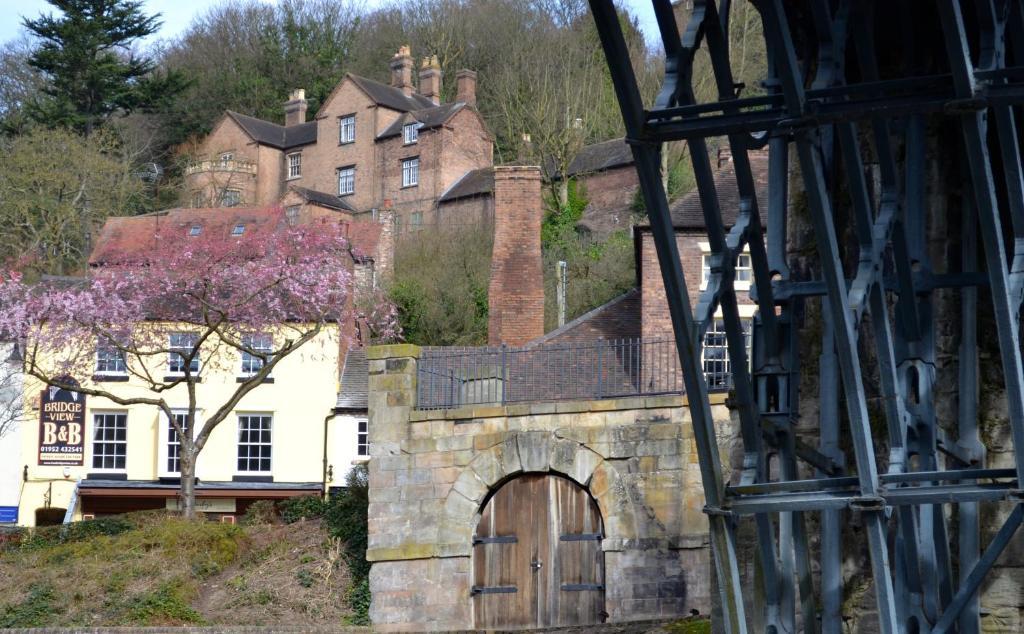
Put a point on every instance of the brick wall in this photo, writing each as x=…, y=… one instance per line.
x=609, y=194
x=227, y=136
x=516, y=293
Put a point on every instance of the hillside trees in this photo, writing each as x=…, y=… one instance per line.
x=56, y=189
x=186, y=307
x=90, y=67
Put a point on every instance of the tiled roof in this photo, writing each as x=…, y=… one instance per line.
x=354, y=381
x=428, y=118
x=322, y=198
x=472, y=183
x=276, y=135
x=601, y=156
x=389, y=96
x=687, y=212
x=618, y=318
x=125, y=239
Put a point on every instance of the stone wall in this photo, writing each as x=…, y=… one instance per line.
x=431, y=471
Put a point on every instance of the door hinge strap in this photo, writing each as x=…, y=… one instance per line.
x=577, y=587
x=582, y=537
x=493, y=590
x=500, y=539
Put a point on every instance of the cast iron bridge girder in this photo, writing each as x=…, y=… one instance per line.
x=824, y=120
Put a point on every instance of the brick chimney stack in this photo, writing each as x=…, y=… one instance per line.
x=465, y=87
x=386, y=245
x=401, y=70
x=516, y=293
x=430, y=79
x=295, y=108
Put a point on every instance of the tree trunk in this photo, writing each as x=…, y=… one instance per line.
x=563, y=193
x=188, y=483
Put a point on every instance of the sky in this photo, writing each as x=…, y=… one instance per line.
x=177, y=14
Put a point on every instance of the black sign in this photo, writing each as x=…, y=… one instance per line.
x=61, y=426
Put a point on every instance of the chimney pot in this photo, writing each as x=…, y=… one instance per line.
x=465, y=84
x=401, y=70
x=295, y=108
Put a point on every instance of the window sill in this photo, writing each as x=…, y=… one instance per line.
x=293, y=178
x=361, y=460
x=410, y=186
x=243, y=379
x=345, y=194
x=341, y=143
x=252, y=478
x=181, y=377
x=410, y=143
x=110, y=378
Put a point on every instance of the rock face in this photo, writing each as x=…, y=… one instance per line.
x=432, y=472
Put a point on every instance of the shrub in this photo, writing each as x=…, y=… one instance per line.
x=358, y=597
x=346, y=519
x=168, y=604
x=260, y=512
x=306, y=507
x=33, y=611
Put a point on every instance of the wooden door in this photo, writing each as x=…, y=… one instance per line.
x=537, y=558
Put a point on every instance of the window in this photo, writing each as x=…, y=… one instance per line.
x=295, y=165
x=173, y=463
x=347, y=129
x=195, y=230
x=715, y=354
x=291, y=213
x=182, y=346
x=109, y=360
x=231, y=198
x=362, y=438
x=225, y=158
x=415, y=220
x=411, y=132
x=254, y=443
x=411, y=172
x=744, y=272
x=251, y=364
x=346, y=180
x=238, y=229
x=198, y=200
x=109, y=441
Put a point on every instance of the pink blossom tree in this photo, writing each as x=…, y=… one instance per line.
x=260, y=296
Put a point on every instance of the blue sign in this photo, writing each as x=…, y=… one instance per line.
x=8, y=514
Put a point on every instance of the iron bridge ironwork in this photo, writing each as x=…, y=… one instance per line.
x=829, y=100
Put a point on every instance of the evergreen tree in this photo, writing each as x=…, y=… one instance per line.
x=91, y=70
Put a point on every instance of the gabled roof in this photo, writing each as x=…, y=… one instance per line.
x=687, y=212
x=389, y=96
x=354, y=382
x=618, y=318
x=601, y=156
x=432, y=117
x=473, y=183
x=275, y=135
x=322, y=199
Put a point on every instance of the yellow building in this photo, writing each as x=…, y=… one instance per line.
x=125, y=458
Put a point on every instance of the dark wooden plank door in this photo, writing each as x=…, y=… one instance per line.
x=537, y=556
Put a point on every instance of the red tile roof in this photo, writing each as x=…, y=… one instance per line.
x=128, y=238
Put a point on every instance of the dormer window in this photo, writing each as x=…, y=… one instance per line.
x=295, y=165
x=411, y=132
x=195, y=230
x=238, y=229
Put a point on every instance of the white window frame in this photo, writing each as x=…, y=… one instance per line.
x=108, y=443
x=743, y=268
x=118, y=356
x=717, y=330
x=349, y=174
x=346, y=129
x=291, y=213
x=411, y=171
x=172, y=354
x=293, y=165
x=198, y=199
x=239, y=444
x=411, y=132
x=165, y=442
x=362, y=439
x=226, y=158
x=247, y=340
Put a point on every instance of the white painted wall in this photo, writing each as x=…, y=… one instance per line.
x=344, y=452
x=10, y=438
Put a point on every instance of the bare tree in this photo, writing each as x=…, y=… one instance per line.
x=12, y=410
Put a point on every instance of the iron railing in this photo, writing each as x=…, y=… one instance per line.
x=606, y=368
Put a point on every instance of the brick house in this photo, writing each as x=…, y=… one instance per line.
x=605, y=174
x=368, y=142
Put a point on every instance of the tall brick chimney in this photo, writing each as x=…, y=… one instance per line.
x=401, y=70
x=465, y=87
x=516, y=293
x=385, y=256
x=295, y=108
x=430, y=79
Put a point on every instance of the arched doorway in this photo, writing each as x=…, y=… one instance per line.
x=537, y=558
x=50, y=516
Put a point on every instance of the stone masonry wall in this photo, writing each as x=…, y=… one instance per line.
x=431, y=471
